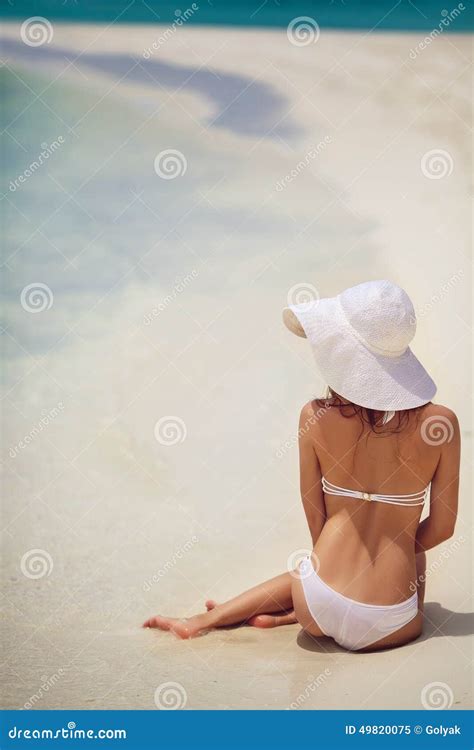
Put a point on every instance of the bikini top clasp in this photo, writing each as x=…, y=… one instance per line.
x=413, y=498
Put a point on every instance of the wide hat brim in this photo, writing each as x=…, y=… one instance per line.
x=351, y=368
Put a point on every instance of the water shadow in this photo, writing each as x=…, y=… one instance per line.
x=240, y=104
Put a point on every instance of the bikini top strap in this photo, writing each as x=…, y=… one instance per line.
x=413, y=498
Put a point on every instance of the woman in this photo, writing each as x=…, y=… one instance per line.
x=369, y=453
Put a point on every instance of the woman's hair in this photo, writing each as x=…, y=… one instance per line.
x=371, y=417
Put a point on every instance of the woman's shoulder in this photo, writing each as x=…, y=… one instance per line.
x=315, y=412
x=439, y=425
x=439, y=410
x=325, y=411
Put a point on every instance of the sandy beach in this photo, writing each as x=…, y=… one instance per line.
x=150, y=408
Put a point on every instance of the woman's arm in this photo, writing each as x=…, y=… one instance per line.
x=440, y=524
x=310, y=474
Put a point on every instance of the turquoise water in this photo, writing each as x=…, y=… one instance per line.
x=95, y=219
x=364, y=14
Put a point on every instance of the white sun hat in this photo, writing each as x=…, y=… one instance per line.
x=360, y=340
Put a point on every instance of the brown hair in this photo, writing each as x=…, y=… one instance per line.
x=371, y=417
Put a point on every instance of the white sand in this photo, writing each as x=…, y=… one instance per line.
x=214, y=514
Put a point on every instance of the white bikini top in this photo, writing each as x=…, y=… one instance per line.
x=414, y=498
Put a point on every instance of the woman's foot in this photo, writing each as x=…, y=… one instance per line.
x=185, y=628
x=262, y=621
x=247, y=607
x=272, y=621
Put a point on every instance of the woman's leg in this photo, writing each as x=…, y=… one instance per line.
x=268, y=620
x=272, y=596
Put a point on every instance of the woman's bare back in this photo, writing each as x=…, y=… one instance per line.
x=366, y=550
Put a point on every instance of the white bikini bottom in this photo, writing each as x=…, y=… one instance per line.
x=352, y=624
